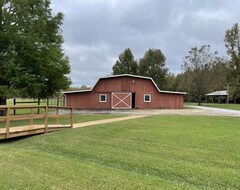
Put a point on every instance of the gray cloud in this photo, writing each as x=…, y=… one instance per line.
x=97, y=31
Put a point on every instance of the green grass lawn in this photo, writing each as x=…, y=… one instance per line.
x=161, y=152
x=225, y=106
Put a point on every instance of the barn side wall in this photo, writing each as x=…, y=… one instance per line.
x=87, y=100
x=171, y=101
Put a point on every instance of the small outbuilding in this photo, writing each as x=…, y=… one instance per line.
x=220, y=96
x=124, y=92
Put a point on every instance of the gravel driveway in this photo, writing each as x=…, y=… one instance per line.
x=191, y=110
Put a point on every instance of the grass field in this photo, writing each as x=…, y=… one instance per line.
x=161, y=152
x=225, y=106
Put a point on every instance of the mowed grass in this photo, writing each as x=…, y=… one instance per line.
x=161, y=152
x=224, y=106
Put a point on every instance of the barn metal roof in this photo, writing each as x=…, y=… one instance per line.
x=218, y=93
x=76, y=91
x=124, y=75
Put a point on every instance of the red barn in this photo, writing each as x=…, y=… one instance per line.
x=124, y=92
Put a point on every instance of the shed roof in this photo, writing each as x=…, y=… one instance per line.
x=124, y=75
x=218, y=93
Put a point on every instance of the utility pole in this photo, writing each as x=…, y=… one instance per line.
x=227, y=94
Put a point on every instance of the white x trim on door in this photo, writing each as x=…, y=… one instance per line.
x=121, y=100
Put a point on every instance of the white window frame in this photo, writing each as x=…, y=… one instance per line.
x=150, y=97
x=100, y=95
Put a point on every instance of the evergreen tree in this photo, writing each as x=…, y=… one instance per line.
x=126, y=64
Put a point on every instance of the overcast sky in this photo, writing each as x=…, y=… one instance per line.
x=97, y=31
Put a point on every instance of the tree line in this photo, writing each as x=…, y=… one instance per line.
x=203, y=70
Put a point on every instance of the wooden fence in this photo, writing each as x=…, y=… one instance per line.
x=38, y=102
x=8, y=131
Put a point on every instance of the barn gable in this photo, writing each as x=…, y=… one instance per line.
x=135, y=77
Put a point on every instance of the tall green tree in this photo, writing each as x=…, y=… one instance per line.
x=126, y=64
x=183, y=84
x=170, y=79
x=32, y=61
x=216, y=74
x=232, y=43
x=219, y=72
x=198, y=66
x=153, y=65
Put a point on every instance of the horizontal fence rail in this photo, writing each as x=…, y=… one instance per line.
x=39, y=102
x=27, y=113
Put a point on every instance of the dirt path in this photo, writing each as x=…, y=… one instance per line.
x=89, y=123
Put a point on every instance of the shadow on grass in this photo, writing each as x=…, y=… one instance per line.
x=16, y=139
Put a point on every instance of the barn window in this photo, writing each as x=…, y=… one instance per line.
x=103, y=98
x=147, y=97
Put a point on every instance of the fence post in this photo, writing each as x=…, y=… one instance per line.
x=31, y=117
x=57, y=113
x=8, y=122
x=39, y=105
x=71, y=118
x=46, y=119
x=14, y=103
